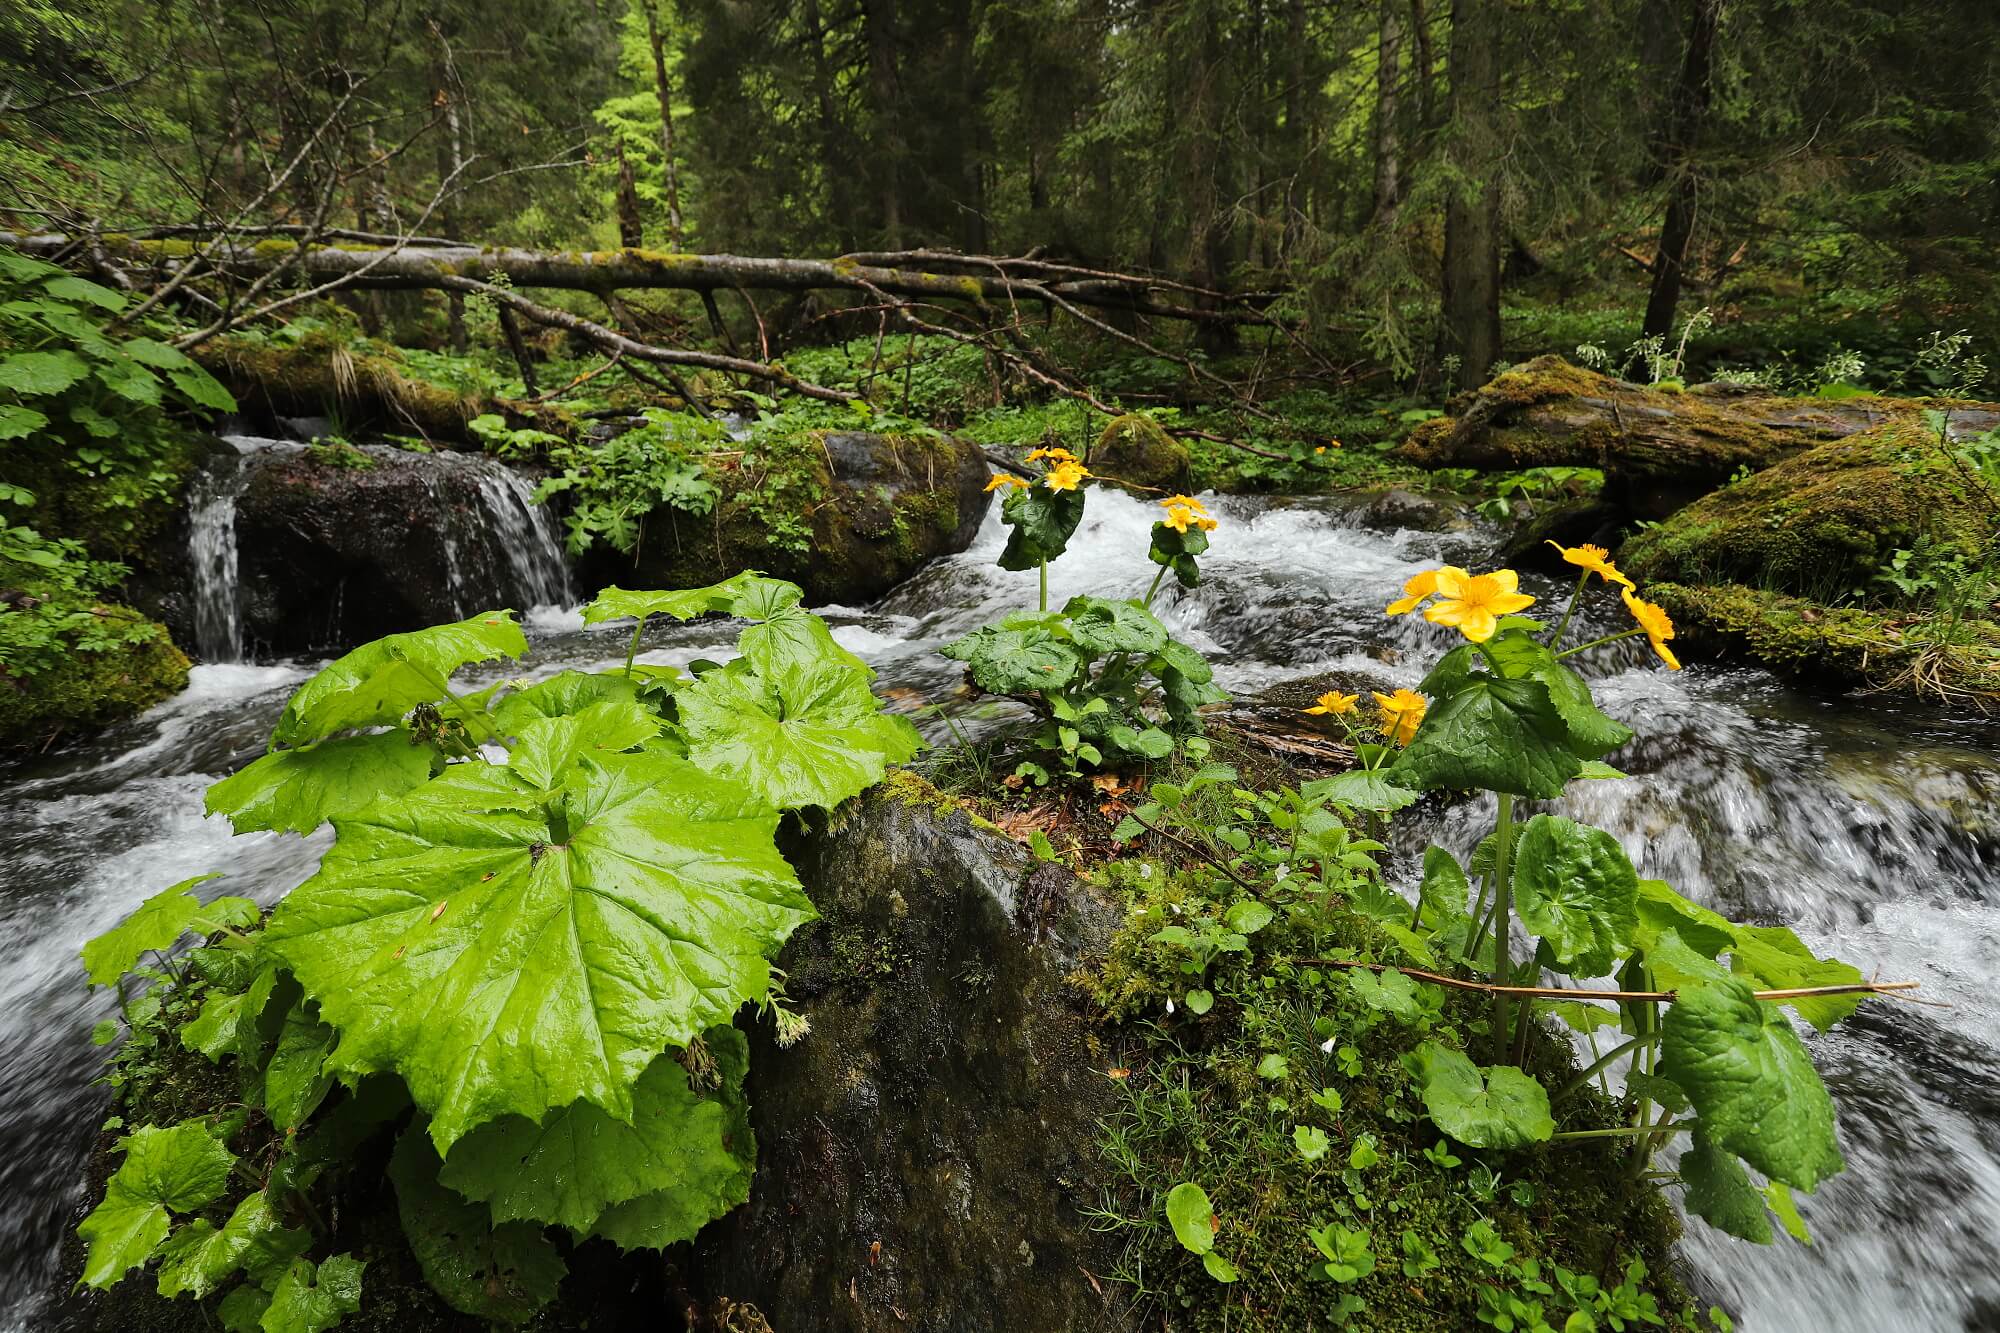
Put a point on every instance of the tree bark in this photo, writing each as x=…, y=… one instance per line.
x=1388, y=78
x=665, y=88
x=1690, y=109
x=1472, y=212
x=631, y=226
x=832, y=142
x=879, y=27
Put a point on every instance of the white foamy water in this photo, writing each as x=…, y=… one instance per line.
x=1875, y=830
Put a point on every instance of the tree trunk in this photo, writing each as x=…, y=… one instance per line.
x=832, y=142
x=665, y=88
x=879, y=25
x=1426, y=59
x=631, y=228
x=1690, y=108
x=1295, y=124
x=1472, y=212
x=1388, y=77
x=1548, y=413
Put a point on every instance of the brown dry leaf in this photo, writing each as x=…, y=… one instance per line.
x=875, y=1254
x=1118, y=1073
x=1108, y=783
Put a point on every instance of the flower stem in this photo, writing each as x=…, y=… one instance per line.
x=1043, y=604
x=1603, y=1062
x=632, y=650
x=1599, y=643
x=1503, y=914
x=1154, y=586
x=1569, y=610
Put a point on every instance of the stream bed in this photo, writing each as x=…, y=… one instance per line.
x=1872, y=827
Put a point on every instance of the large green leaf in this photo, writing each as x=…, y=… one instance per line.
x=232, y=1024
x=34, y=373
x=1494, y=1107
x=1361, y=789
x=1502, y=735
x=1007, y=659
x=1662, y=910
x=1041, y=522
x=510, y=959
x=17, y=422
x=377, y=683
x=1591, y=734
x=562, y=695
x=746, y=594
x=180, y=1167
x=1103, y=625
x=1774, y=958
x=156, y=924
x=579, y=1162
x=792, y=722
x=1719, y=1192
x=295, y=1080
x=311, y=1298
x=296, y=791
x=1575, y=887
x=548, y=747
x=1752, y=1083
x=198, y=1259
x=503, y=1274
x=1445, y=889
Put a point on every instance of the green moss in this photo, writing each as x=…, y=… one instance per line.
x=86, y=689
x=1821, y=523
x=1133, y=449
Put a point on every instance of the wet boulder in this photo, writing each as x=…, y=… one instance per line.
x=847, y=515
x=285, y=548
x=1133, y=449
x=925, y=1154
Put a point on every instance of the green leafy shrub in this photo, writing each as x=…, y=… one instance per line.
x=1107, y=682
x=85, y=426
x=520, y=957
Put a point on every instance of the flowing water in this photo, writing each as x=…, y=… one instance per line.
x=1873, y=830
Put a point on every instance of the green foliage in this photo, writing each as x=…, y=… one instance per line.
x=1498, y=1107
x=541, y=909
x=85, y=407
x=614, y=484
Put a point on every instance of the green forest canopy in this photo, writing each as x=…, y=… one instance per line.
x=1378, y=164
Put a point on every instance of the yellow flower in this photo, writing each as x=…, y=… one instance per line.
x=1053, y=455
x=1333, y=701
x=1066, y=476
x=1595, y=559
x=1185, y=502
x=1004, y=479
x=1655, y=621
x=1402, y=714
x=1472, y=604
x=1177, y=518
x=1418, y=588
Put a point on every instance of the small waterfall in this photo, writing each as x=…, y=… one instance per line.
x=526, y=538
x=218, y=618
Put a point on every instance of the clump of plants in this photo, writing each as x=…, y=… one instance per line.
x=1108, y=685
x=518, y=962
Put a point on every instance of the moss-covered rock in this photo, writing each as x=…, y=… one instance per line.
x=92, y=688
x=1821, y=523
x=1133, y=449
x=847, y=515
x=925, y=1156
x=1838, y=646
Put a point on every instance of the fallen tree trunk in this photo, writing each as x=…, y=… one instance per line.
x=1658, y=448
x=964, y=277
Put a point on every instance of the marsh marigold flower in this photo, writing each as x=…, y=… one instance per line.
x=1180, y=515
x=1185, y=502
x=1052, y=455
x=1005, y=479
x=1593, y=559
x=1472, y=604
x=1658, y=625
x=1066, y=476
x=1419, y=588
x=1402, y=713
x=1333, y=701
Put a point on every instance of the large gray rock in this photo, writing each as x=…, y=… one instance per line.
x=945, y=1105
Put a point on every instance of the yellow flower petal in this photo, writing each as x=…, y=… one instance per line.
x=1473, y=603
x=1185, y=502
x=1653, y=619
x=1333, y=701
x=1066, y=476
x=1595, y=560
x=1004, y=479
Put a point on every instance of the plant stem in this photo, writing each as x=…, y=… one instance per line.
x=1043, y=604
x=1503, y=914
x=1569, y=610
x=1599, y=643
x=1620, y=1132
x=1154, y=586
x=1602, y=1062
x=632, y=649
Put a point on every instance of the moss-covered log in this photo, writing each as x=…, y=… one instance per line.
x=1659, y=447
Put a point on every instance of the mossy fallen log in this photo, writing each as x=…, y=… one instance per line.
x=1658, y=447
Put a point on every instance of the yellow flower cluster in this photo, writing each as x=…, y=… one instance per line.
x=1183, y=510
x=1472, y=604
x=1064, y=474
x=1402, y=713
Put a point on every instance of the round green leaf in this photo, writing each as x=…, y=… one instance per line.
x=1191, y=1216
x=1494, y=1107
x=1575, y=887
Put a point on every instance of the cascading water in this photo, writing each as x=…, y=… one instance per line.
x=1872, y=827
x=527, y=539
x=218, y=618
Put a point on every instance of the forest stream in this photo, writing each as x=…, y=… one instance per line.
x=1873, y=828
